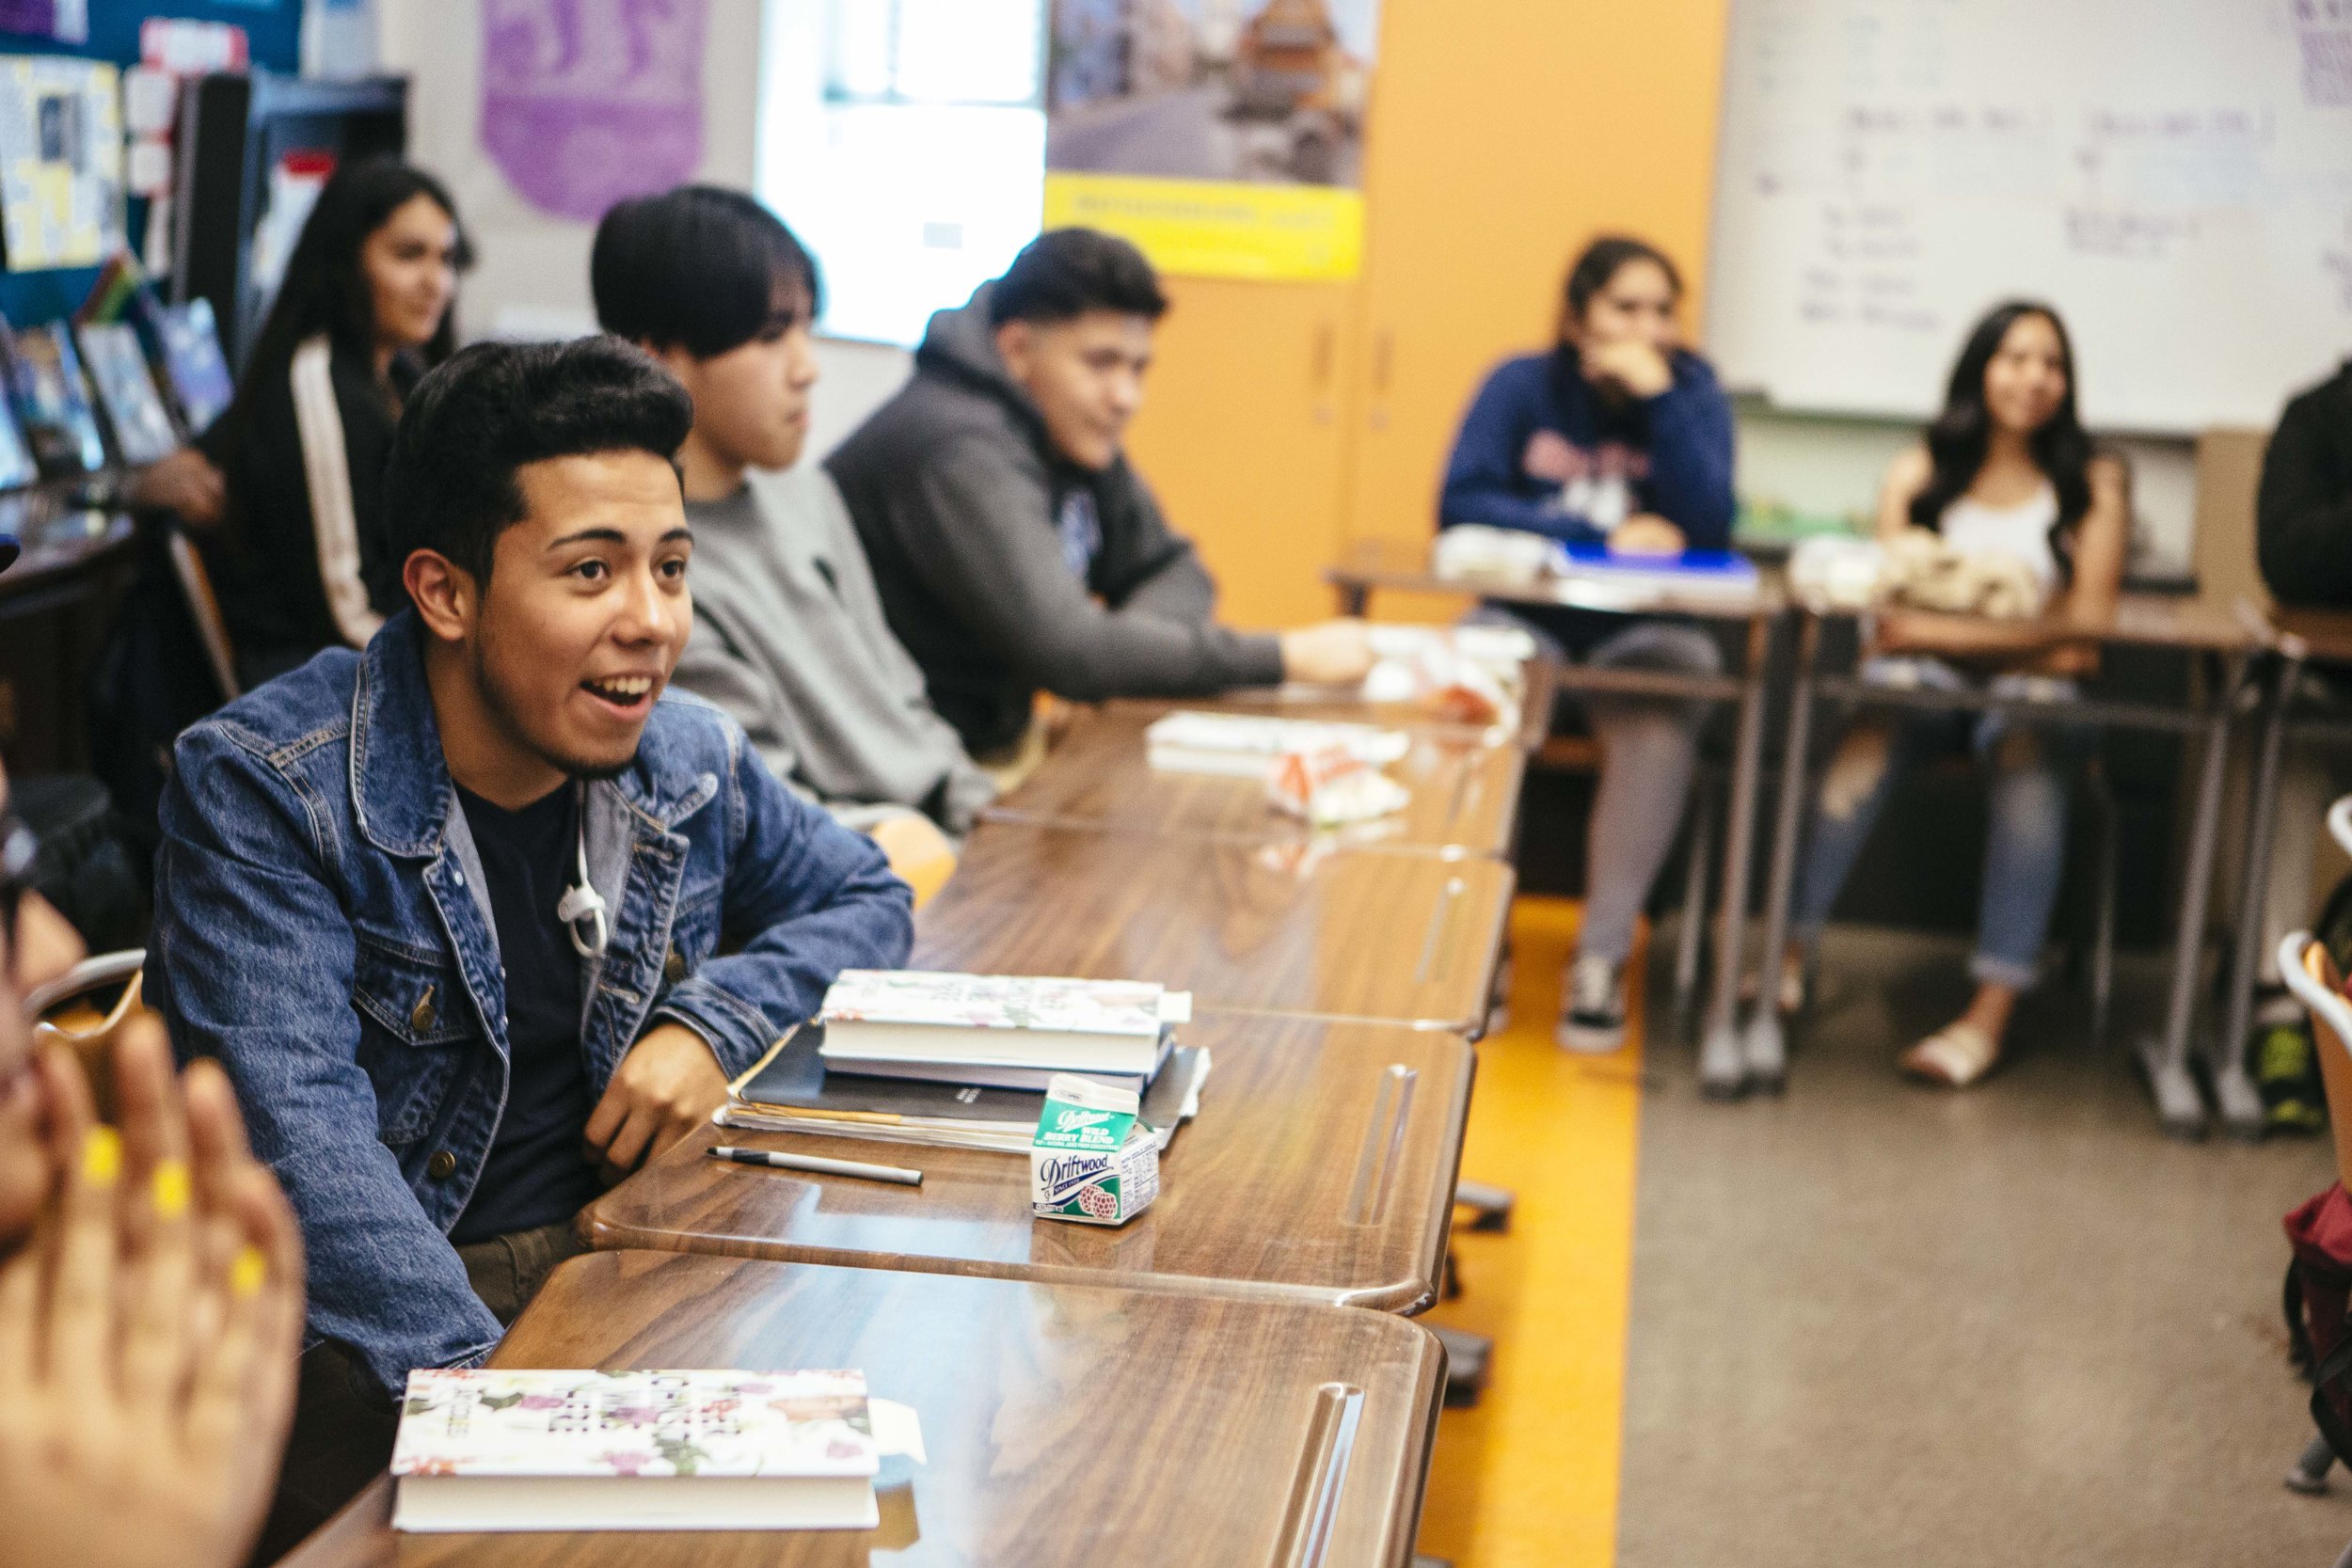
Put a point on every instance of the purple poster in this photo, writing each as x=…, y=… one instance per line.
x=587, y=102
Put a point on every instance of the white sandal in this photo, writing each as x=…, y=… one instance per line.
x=1954, y=1056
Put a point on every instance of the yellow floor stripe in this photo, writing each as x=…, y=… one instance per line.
x=1530, y=1477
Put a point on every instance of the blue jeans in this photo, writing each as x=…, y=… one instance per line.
x=1649, y=747
x=2031, y=767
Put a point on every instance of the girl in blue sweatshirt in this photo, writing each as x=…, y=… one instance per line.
x=1617, y=435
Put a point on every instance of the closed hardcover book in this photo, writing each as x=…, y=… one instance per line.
x=1245, y=745
x=45, y=382
x=911, y=1016
x=496, y=1449
x=1724, y=576
x=134, y=411
x=794, y=1083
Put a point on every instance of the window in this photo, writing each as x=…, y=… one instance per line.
x=904, y=141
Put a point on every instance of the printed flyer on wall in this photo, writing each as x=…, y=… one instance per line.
x=1223, y=136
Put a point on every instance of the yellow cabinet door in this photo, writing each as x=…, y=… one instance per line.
x=1241, y=436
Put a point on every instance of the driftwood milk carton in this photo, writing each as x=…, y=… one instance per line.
x=1092, y=1160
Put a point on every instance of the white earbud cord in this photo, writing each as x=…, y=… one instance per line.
x=582, y=901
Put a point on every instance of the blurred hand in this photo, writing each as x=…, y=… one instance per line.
x=148, y=1334
x=1333, y=653
x=917, y=851
x=1632, y=364
x=664, y=1089
x=1645, y=533
x=185, y=483
x=44, y=945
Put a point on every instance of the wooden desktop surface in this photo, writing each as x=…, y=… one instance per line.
x=1321, y=1166
x=1465, y=784
x=1273, y=927
x=1540, y=679
x=1402, y=566
x=2155, y=621
x=2326, y=634
x=1066, y=1426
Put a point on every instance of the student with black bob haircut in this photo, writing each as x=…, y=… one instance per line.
x=477, y=917
x=1014, y=545
x=293, y=471
x=789, y=635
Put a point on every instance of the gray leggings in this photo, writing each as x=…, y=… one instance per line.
x=1648, y=746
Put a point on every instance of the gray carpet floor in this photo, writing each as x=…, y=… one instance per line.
x=1875, y=1323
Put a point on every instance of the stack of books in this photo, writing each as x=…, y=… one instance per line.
x=962, y=1061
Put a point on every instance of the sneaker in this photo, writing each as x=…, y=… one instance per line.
x=1591, y=1018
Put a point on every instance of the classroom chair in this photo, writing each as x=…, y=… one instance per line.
x=84, y=1008
x=196, y=588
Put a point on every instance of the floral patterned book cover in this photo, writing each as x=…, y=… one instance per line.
x=516, y=1423
x=906, y=996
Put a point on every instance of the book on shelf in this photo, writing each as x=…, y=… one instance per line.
x=1246, y=745
x=185, y=340
x=499, y=1450
x=126, y=392
x=45, y=384
x=792, y=1090
x=920, y=1018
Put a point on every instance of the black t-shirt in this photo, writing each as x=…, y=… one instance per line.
x=536, y=1174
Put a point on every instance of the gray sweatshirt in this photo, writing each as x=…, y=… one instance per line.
x=1003, y=567
x=789, y=639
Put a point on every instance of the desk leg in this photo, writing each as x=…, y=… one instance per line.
x=1765, y=1045
x=1723, y=1069
x=2179, y=1106
x=2241, y=1106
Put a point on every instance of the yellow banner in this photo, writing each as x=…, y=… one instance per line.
x=1217, y=228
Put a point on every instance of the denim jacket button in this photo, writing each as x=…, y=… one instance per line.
x=673, y=967
x=442, y=1165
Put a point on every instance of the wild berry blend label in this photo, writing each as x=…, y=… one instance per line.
x=1089, y=1162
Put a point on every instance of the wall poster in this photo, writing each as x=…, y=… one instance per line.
x=1223, y=136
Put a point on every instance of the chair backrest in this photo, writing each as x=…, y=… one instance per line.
x=2229, y=470
x=2312, y=976
x=67, y=1016
x=195, y=586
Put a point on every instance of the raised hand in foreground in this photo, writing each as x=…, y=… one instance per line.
x=149, y=1327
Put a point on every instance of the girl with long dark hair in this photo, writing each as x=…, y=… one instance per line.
x=2005, y=471
x=363, y=312
x=1619, y=435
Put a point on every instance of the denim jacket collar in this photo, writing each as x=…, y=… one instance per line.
x=401, y=791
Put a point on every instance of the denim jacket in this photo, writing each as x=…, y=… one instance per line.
x=322, y=928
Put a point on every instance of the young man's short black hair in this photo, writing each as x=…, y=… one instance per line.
x=488, y=410
x=698, y=268
x=1068, y=272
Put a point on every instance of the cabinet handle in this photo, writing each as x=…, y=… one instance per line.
x=1383, y=361
x=1320, y=361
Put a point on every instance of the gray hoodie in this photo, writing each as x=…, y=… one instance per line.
x=977, y=530
x=789, y=639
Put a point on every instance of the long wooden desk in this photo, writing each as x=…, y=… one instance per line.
x=1265, y=927
x=1465, y=782
x=1066, y=1426
x=2231, y=634
x=1321, y=1168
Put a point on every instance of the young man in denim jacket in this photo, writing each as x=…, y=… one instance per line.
x=451, y=908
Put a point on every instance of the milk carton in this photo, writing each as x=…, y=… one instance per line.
x=1092, y=1160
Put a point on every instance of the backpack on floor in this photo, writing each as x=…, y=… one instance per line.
x=2317, y=1297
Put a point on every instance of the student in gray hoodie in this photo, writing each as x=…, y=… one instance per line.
x=1014, y=546
x=789, y=637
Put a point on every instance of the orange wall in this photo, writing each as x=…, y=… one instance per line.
x=1285, y=419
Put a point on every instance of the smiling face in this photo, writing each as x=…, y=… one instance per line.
x=1084, y=375
x=410, y=264
x=752, y=402
x=2025, y=382
x=586, y=610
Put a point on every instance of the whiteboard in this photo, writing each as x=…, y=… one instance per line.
x=2175, y=176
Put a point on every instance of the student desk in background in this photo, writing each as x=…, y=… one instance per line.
x=2230, y=636
x=1375, y=565
x=1465, y=782
x=1265, y=928
x=1321, y=1168
x=2302, y=638
x=1066, y=1426
x=54, y=601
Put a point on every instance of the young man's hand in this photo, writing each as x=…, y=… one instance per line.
x=1634, y=365
x=185, y=483
x=664, y=1089
x=1335, y=653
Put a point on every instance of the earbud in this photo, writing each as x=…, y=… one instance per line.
x=582, y=901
